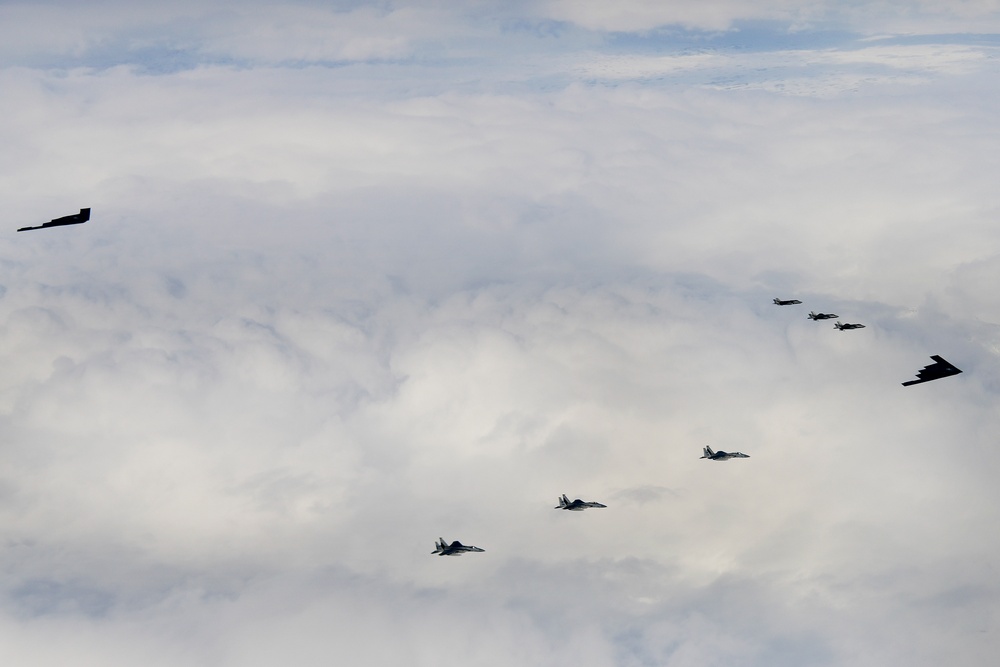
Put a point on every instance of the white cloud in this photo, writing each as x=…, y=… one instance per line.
x=639, y=15
x=305, y=33
x=113, y=32
x=920, y=17
x=814, y=73
x=323, y=316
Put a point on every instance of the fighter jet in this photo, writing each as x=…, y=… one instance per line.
x=723, y=456
x=821, y=316
x=75, y=219
x=456, y=548
x=575, y=506
x=935, y=371
x=789, y=302
x=844, y=327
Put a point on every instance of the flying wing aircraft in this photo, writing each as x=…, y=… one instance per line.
x=75, y=219
x=723, y=456
x=821, y=316
x=456, y=548
x=576, y=505
x=846, y=326
x=788, y=302
x=936, y=371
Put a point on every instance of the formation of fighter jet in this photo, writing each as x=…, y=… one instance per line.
x=75, y=219
x=940, y=369
x=936, y=371
x=723, y=456
x=820, y=316
x=456, y=548
x=576, y=505
x=846, y=326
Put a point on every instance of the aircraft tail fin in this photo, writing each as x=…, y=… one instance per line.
x=85, y=214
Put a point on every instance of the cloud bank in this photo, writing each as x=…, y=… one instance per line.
x=363, y=277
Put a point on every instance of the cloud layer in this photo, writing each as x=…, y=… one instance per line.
x=358, y=279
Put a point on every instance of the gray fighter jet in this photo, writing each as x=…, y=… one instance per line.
x=821, y=316
x=844, y=327
x=456, y=548
x=936, y=371
x=576, y=505
x=723, y=456
x=788, y=302
x=75, y=219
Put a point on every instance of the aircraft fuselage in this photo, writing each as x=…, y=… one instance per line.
x=575, y=505
x=725, y=456
x=456, y=548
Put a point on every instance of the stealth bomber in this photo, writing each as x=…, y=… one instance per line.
x=936, y=371
x=75, y=219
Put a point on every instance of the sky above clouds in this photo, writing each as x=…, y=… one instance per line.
x=360, y=275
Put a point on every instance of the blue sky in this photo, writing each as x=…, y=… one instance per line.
x=358, y=278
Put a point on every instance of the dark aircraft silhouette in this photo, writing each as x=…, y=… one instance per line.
x=845, y=327
x=789, y=302
x=456, y=548
x=576, y=505
x=75, y=219
x=723, y=456
x=821, y=316
x=936, y=371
